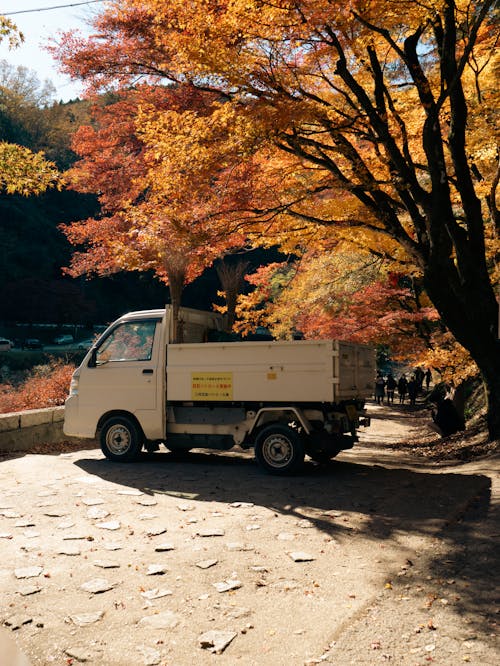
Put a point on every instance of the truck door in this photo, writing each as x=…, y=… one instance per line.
x=124, y=374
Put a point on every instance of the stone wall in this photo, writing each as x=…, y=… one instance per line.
x=20, y=431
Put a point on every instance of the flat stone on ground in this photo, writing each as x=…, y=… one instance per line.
x=156, y=593
x=106, y=564
x=214, y=532
x=84, y=619
x=216, y=641
x=92, y=501
x=226, y=585
x=206, y=564
x=150, y=656
x=28, y=572
x=165, y=620
x=29, y=589
x=164, y=547
x=16, y=621
x=94, y=512
x=97, y=585
x=300, y=556
x=156, y=570
x=79, y=653
x=110, y=525
x=147, y=501
x=69, y=550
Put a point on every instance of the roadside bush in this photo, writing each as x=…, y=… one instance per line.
x=45, y=386
x=18, y=360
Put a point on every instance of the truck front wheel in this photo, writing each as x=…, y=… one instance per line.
x=279, y=449
x=121, y=439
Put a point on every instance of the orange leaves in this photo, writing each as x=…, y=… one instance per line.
x=347, y=296
x=145, y=182
x=314, y=126
x=46, y=386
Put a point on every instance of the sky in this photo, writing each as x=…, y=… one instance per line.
x=38, y=27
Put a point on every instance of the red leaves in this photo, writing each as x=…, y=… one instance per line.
x=47, y=386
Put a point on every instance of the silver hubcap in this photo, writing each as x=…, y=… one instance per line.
x=118, y=439
x=277, y=450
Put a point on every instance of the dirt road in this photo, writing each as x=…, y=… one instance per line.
x=376, y=558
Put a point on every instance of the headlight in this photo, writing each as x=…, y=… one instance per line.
x=75, y=380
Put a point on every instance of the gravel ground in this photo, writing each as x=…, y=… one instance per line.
x=382, y=556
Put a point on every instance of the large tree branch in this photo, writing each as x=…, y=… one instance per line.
x=456, y=138
x=379, y=123
x=382, y=206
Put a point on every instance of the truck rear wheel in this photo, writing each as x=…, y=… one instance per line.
x=322, y=457
x=279, y=449
x=121, y=439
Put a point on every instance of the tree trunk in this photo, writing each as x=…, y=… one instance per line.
x=231, y=279
x=176, y=285
x=470, y=311
x=492, y=386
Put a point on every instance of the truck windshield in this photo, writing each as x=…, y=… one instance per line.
x=130, y=341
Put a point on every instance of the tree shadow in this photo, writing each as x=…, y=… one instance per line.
x=472, y=562
x=347, y=499
x=380, y=499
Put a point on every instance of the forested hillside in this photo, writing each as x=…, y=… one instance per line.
x=33, y=250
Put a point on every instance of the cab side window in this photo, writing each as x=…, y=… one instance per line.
x=131, y=341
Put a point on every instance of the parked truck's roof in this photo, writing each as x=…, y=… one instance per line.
x=141, y=314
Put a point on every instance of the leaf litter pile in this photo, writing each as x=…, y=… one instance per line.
x=463, y=446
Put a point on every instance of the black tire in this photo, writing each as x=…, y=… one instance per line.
x=279, y=449
x=179, y=451
x=121, y=439
x=321, y=457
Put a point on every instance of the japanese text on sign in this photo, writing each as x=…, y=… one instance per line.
x=211, y=385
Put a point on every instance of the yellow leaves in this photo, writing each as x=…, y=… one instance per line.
x=449, y=358
x=24, y=172
x=9, y=30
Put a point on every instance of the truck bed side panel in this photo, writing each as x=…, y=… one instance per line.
x=298, y=371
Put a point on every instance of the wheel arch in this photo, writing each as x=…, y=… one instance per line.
x=268, y=415
x=118, y=413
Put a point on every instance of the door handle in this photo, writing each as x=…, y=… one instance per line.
x=147, y=371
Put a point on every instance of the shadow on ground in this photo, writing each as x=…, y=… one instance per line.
x=386, y=499
x=472, y=563
x=345, y=500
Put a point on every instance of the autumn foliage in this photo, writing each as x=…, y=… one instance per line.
x=24, y=172
x=324, y=124
x=21, y=170
x=46, y=386
x=140, y=228
x=345, y=296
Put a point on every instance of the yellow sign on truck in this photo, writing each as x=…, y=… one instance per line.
x=211, y=385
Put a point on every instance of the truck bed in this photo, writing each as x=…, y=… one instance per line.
x=279, y=371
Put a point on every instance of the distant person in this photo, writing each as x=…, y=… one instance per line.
x=447, y=418
x=419, y=379
x=390, y=385
x=402, y=388
x=428, y=378
x=379, y=389
x=412, y=390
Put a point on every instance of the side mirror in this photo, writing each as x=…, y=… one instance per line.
x=93, y=359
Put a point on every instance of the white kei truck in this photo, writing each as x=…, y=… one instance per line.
x=134, y=389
